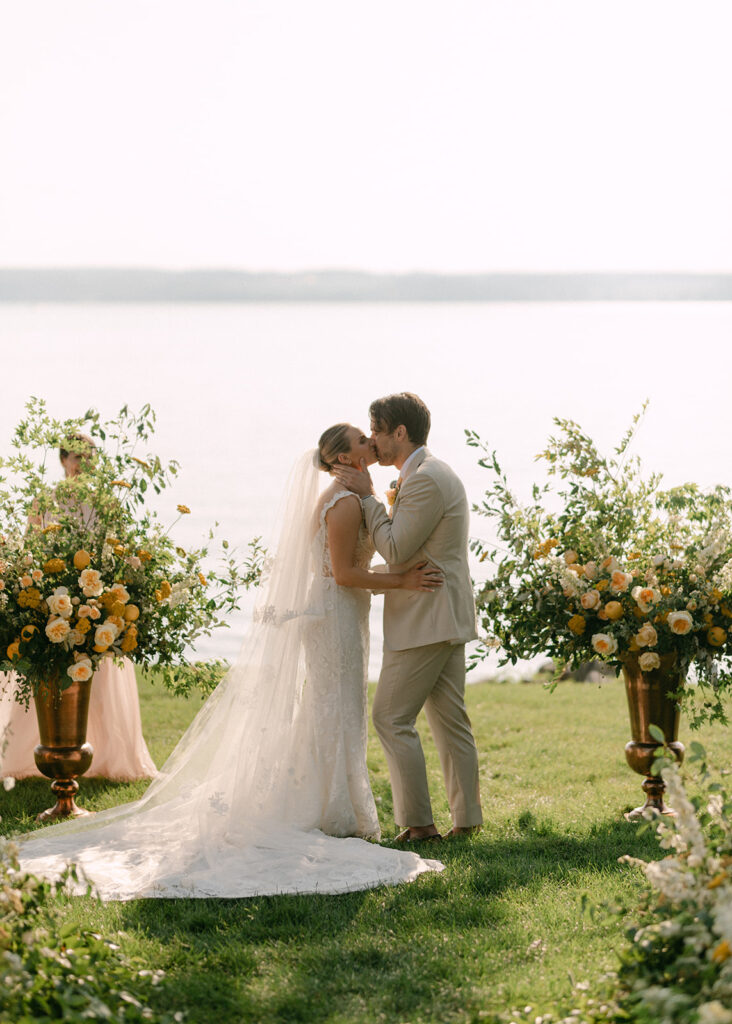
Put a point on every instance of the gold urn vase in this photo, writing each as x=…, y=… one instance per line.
x=63, y=753
x=650, y=703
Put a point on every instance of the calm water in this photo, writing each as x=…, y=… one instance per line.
x=241, y=390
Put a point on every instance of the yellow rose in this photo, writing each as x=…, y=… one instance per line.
x=129, y=642
x=54, y=565
x=614, y=610
x=601, y=585
x=81, y=559
x=117, y=608
x=132, y=612
x=143, y=555
x=577, y=624
x=716, y=636
x=83, y=626
x=13, y=650
x=117, y=621
x=715, y=595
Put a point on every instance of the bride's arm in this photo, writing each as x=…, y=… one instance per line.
x=342, y=522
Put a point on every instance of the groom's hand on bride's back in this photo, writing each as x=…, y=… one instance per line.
x=355, y=480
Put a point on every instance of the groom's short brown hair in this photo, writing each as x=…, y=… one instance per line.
x=404, y=409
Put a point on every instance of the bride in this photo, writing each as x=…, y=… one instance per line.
x=272, y=771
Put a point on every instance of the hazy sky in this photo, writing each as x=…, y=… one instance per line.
x=398, y=134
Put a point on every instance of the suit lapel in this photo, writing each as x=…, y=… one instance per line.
x=418, y=460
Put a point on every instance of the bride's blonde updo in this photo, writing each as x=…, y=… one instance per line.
x=333, y=442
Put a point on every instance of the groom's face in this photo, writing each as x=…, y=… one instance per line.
x=386, y=450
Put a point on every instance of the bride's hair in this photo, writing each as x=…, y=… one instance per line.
x=76, y=443
x=333, y=442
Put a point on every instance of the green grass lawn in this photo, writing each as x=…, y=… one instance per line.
x=501, y=927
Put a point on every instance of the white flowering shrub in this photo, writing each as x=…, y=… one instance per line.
x=52, y=972
x=676, y=967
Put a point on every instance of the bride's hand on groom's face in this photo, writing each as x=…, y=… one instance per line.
x=357, y=481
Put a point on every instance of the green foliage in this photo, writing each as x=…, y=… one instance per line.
x=87, y=570
x=604, y=563
x=52, y=971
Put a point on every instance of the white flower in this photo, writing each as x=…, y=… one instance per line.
x=620, y=581
x=59, y=603
x=680, y=622
x=120, y=593
x=591, y=570
x=645, y=597
x=81, y=671
x=590, y=599
x=8, y=783
x=647, y=636
x=28, y=560
x=57, y=630
x=76, y=638
x=658, y=560
x=91, y=582
x=570, y=557
x=134, y=562
x=26, y=581
x=603, y=643
x=714, y=1013
x=37, y=575
x=105, y=634
x=94, y=613
x=648, y=661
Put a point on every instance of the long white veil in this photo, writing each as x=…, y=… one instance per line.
x=232, y=812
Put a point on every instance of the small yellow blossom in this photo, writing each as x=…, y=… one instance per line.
x=202, y=580
x=577, y=624
x=184, y=510
x=54, y=565
x=82, y=559
x=121, y=483
x=722, y=952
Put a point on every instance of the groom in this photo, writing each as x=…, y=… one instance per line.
x=424, y=633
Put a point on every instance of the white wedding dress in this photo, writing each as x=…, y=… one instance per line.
x=272, y=771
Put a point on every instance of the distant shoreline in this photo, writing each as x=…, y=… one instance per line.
x=140, y=285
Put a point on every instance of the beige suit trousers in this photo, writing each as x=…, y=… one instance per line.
x=432, y=677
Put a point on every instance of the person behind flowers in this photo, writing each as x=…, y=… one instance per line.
x=114, y=727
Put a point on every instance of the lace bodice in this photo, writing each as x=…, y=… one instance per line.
x=364, y=546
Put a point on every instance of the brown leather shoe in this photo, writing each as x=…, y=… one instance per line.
x=468, y=830
x=407, y=837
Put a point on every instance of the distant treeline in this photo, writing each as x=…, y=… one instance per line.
x=144, y=285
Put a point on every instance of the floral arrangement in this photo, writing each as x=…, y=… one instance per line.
x=87, y=570
x=608, y=565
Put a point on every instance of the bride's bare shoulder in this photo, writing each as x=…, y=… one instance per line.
x=336, y=491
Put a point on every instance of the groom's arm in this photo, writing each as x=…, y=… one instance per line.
x=419, y=511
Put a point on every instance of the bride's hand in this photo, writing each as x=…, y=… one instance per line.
x=422, y=576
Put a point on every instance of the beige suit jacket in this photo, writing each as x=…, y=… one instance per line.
x=430, y=520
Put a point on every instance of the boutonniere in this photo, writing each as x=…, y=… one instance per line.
x=391, y=494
